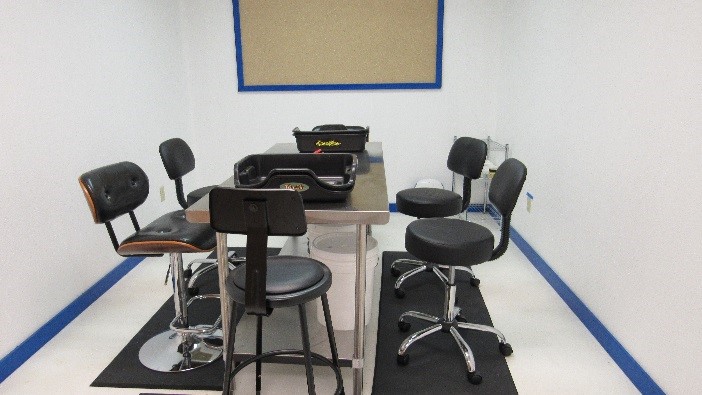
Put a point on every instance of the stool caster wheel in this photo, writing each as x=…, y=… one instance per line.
x=400, y=293
x=505, y=349
x=474, y=378
x=403, y=326
x=395, y=271
x=474, y=281
x=193, y=291
x=402, y=359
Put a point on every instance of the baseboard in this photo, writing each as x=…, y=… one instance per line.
x=15, y=358
x=619, y=354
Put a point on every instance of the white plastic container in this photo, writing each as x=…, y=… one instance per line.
x=316, y=230
x=338, y=252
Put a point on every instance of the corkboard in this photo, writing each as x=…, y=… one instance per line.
x=338, y=44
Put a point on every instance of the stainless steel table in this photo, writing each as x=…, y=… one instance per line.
x=366, y=205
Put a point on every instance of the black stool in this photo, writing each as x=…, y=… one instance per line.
x=118, y=189
x=458, y=243
x=467, y=157
x=178, y=159
x=265, y=283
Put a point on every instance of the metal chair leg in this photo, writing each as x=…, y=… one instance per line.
x=306, y=349
x=229, y=353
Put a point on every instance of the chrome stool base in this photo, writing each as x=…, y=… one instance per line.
x=170, y=352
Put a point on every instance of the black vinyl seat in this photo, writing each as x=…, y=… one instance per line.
x=458, y=243
x=467, y=157
x=265, y=283
x=114, y=190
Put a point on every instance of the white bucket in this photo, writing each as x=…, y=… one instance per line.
x=338, y=252
x=316, y=230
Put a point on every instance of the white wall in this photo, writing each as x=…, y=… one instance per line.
x=601, y=101
x=82, y=84
x=416, y=127
x=603, y=105
x=85, y=84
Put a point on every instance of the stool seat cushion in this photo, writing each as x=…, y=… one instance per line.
x=449, y=241
x=428, y=202
x=290, y=280
x=170, y=233
x=198, y=194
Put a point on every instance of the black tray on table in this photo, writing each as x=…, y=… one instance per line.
x=332, y=138
x=318, y=177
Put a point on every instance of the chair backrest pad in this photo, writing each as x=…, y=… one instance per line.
x=467, y=157
x=114, y=190
x=177, y=157
x=506, y=185
x=284, y=211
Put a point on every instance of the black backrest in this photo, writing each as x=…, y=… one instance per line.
x=257, y=213
x=178, y=159
x=505, y=187
x=467, y=157
x=284, y=212
x=114, y=190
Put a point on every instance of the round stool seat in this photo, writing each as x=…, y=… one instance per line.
x=449, y=241
x=290, y=280
x=198, y=194
x=428, y=202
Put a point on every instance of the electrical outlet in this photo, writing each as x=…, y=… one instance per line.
x=162, y=191
x=530, y=200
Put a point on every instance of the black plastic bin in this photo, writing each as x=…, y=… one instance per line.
x=318, y=177
x=332, y=138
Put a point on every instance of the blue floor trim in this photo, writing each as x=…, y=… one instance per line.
x=623, y=359
x=21, y=353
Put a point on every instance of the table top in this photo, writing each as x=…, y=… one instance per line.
x=366, y=204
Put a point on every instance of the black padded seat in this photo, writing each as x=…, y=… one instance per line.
x=466, y=158
x=198, y=194
x=428, y=202
x=449, y=241
x=170, y=233
x=290, y=280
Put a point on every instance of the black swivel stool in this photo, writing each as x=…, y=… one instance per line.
x=114, y=190
x=458, y=243
x=265, y=283
x=467, y=157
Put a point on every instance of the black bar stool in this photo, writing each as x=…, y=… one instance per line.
x=114, y=190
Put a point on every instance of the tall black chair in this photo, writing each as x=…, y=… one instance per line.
x=265, y=283
x=458, y=243
x=467, y=157
x=178, y=159
x=114, y=190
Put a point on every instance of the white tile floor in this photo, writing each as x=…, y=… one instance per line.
x=553, y=351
